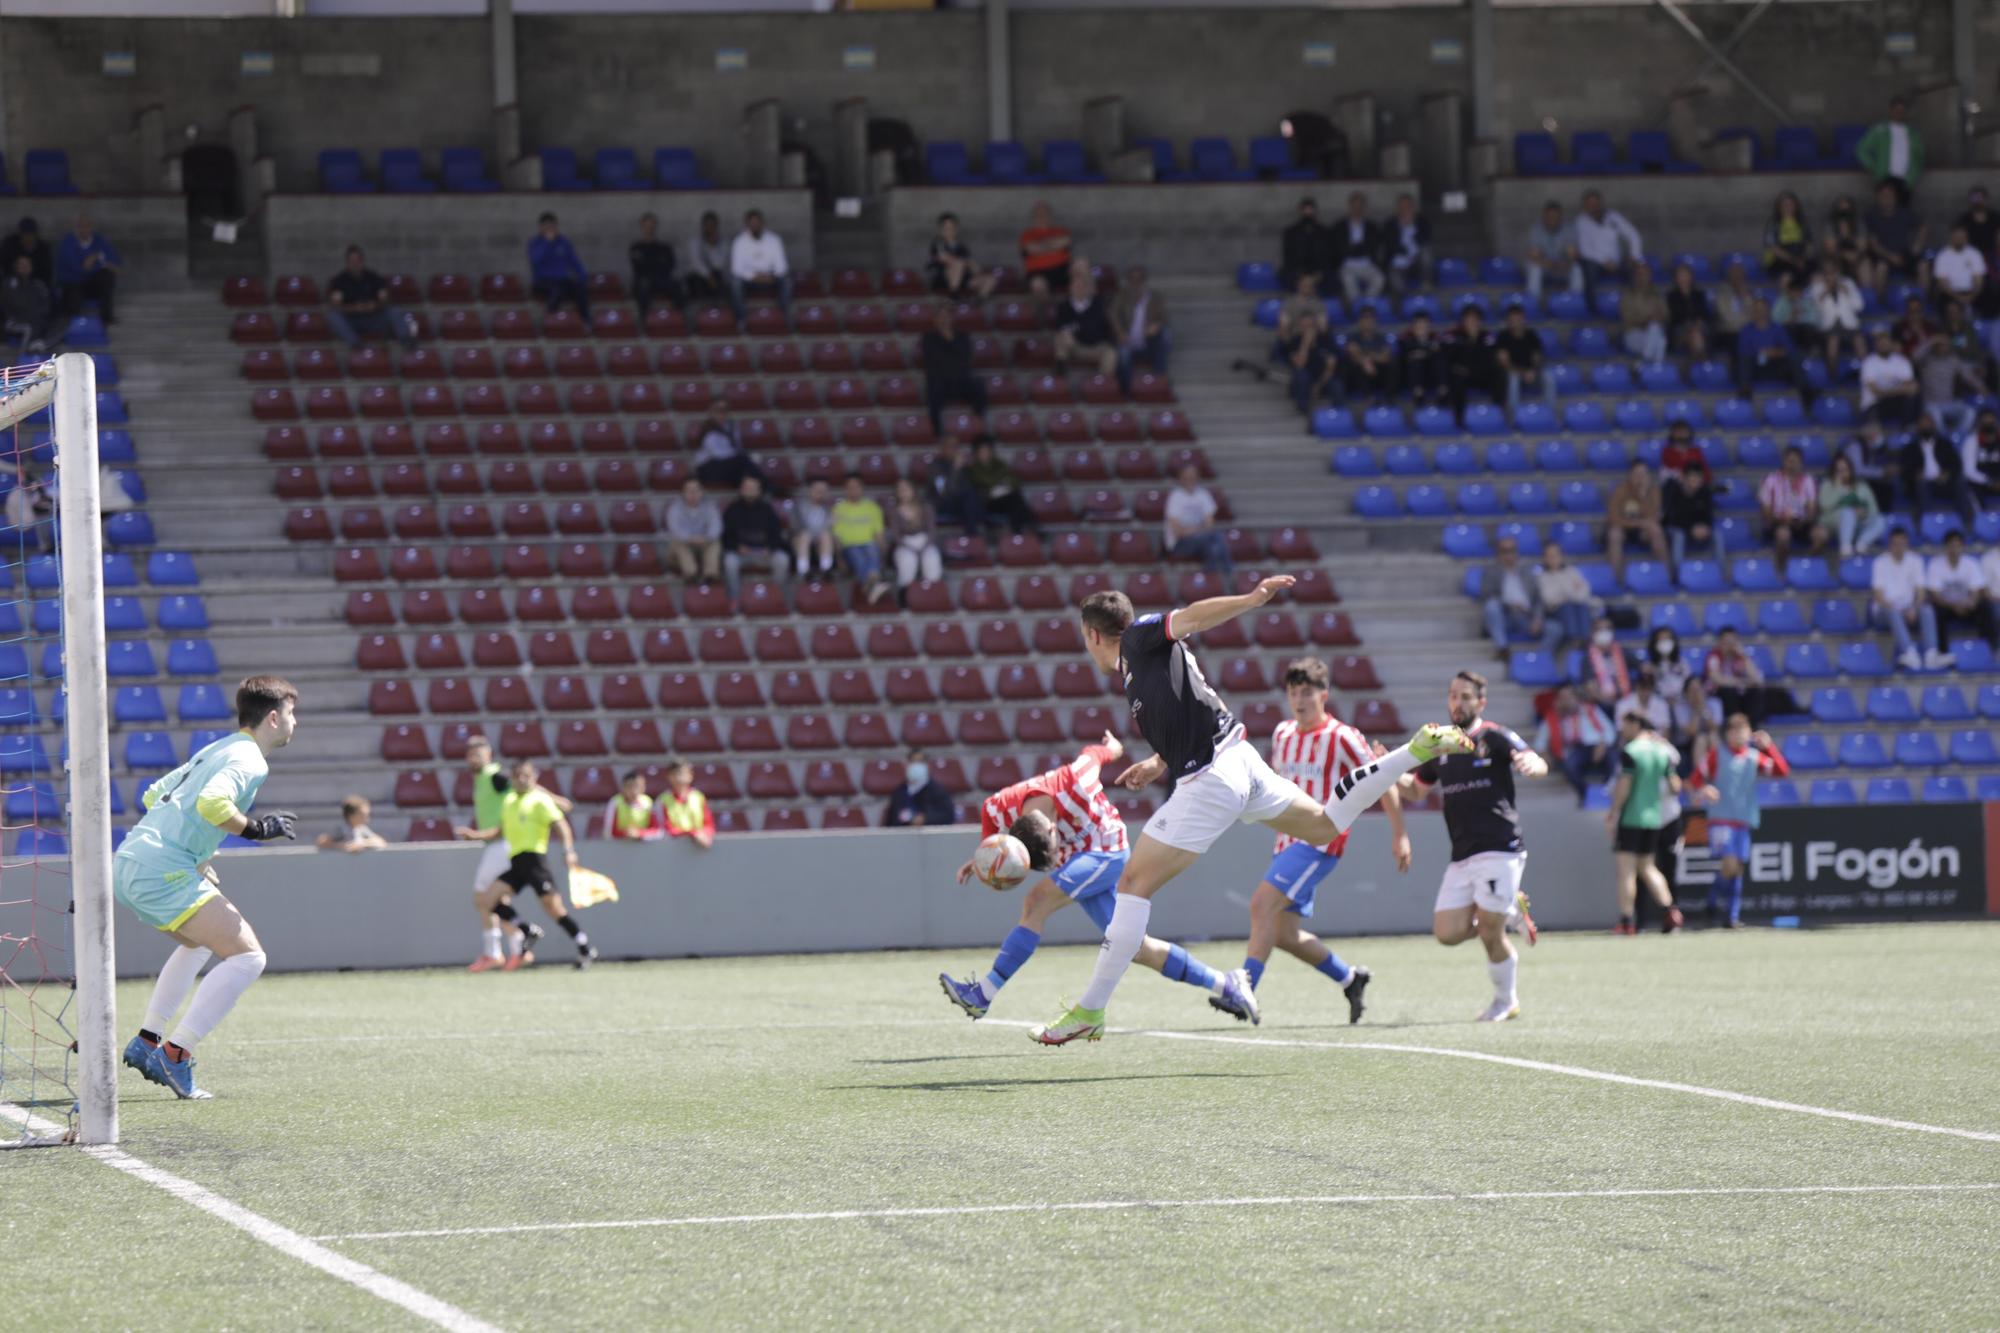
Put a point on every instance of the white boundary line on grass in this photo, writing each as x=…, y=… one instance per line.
x=282, y=1239
x=1122, y=1205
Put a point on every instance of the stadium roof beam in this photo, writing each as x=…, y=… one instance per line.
x=1719, y=55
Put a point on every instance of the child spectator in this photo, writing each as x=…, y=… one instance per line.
x=1688, y=315
x=950, y=266
x=1729, y=774
x=652, y=267
x=87, y=270
x=684, y=811
x=707, y=275
x=556, y=272
x=630, y=815
x=354, y=834
x=1788, y=241
x=1045, y=254
x=1419, y=353
x=812, y=530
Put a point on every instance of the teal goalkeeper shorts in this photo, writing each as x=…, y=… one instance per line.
x=163, y=900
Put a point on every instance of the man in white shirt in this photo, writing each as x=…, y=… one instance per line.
x=1191, y=533
x=1957, y=587
x=1606, y=244
x=1646, y=702
x=1889, y=391
x=757, y=263
x=1959, y=269
x=1898, y=601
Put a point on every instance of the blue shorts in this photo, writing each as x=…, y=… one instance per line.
x=1729, y=840
x=1297, y=871
x=1091, y=878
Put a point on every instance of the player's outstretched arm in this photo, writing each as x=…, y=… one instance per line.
x=1212, y=611
x=568, y=840
x=464, y=834
x=1399, y=833
x=1530, y=765
x=1146, y=771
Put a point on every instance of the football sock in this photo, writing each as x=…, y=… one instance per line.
x=1335, y=968
x=1503, y=977
x=506, y=912
x=1733, y=886
x=1016, y=949
x=218, y=994
x=568, y=923
x=1353, y=794
x=1182, y=967
x=150, y=1037
x=1122, y=939
x=493, y=941
x=1255, y=967
x=170, y=992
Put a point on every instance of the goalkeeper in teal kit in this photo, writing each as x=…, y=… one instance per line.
x=161, y=873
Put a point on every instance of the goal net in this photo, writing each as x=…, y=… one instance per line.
x=57, y=1070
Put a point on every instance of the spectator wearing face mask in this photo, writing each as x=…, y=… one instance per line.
x=918, y=801
x=1663, y=658
x=1606, y=676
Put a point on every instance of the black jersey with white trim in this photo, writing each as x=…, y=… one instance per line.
x=1479, y=811
x=1173, y=705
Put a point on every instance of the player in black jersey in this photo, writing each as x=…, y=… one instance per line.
x=1481, y=892
x=1215, y=778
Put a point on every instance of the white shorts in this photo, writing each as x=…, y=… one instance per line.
x=1487, y=881
x=493, y=864
x=1239, y=787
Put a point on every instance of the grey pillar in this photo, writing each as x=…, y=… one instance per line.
x=253, y=183
x=1104, y=129
x=1965, y=68
x=1354, y=116
x=850, y=147
x=999, y=72
x=1483, y=127
x=506, y=92
x=1441, y=142
x=763, y=131
x=149, y=149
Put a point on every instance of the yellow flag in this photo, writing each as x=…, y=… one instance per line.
x=587, y=888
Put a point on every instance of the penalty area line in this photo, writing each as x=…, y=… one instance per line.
x=1141, y=1205
x=280, y=1238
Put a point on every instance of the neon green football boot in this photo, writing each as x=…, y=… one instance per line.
x=1076, y=1022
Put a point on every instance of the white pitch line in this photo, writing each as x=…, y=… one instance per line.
x=661, y=1030
x=280, y=1238
x=1124, y=1205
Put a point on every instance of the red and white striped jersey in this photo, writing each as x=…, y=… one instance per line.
x=1316, y=760
x=1085, y=819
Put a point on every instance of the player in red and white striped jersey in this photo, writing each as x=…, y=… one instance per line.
x=1072, y=830
x=1317, y=751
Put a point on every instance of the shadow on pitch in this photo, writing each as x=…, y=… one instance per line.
x=934, y=1059
x=1009, y=1084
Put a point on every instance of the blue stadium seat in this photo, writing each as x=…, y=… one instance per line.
x=464, y=171
x=137, y=703
x=1794, y=148
x=1064, y=160
x=402, y=172
x=1378, y=502
x=1007, y=163
x=1889, y=791
x=1862, y=749
x=1557, y=456
x=1265, y=313
x=1836, y=615
x=618, y=169
x=1214, y=159
x=1649, y=578
x=1735, y=414
x=1809, y=573
x=1607, y=304
x=17, y=707
x=1677, y=616
x=1945, y=789
x=51, y=665
x=1530, y=666
x=1593, y=152
x=1536, y=417
x=1888, y=703
x=1435, y=422
x=149, y=749
x=1636, y=414
x=1355, y=460
x=1783, y=413
x=46, y=171
x=1818, y=453
x=1603, y=583
x=1809, y=661
x=1713, y=376
x=1453, y=272
x=128, y=657
x=1466, y=541
x=1834, y=706
x=31, y=801
x=1479, y=499
x=1974, y=656
x=1385, y=423
x=1507, y=456
x=1863, y=659
x=1936, y=525
x=191, y=657
x=1581, y=497
x=677, y=168
x=1755, y=573
x=1255, y=275
x=1589, y=340
x=1831, y=791
x=1660, y=377
x=1689, y=410
x=183, y=612
x=1334, y=423
x=1567, y=306
x=1833, y=410
x=1456, y=460
x=204, y=703
x=1271, y=159
x=171, y=569
x=1941, y=703
x=1501, y=271
x=1530, y=497
x=947, y=162
x=23, y=754
x=1767, y=665
x=1574, y=538
x=124, y=615
x=1535, y=155
x=1986, y=528
x=115, y=446
x=1973, y=745
x=1987, y=701
x=1406, y=460
x=1727, y=613
x=340, y=172
x=131, y=528
x=1606, y=455
x=1165, y=166
x=1987, y=787
x=1856, y=572
x=41, y=842
x=1807, y=751
x=1611, y=377
x=45, y=616
x=119, y=571
x=1526, y=535
x=203, y=737
x=1777, y=793
x=1427, y=501
x=1485, y=419
x=1781, y=616
x=1758, y=451
x=1918, y=749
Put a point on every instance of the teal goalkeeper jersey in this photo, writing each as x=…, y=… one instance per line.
x=175, y=833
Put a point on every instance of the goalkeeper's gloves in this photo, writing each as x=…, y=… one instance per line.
x=269, y=828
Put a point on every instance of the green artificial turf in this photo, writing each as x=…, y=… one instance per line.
x=747, y=1087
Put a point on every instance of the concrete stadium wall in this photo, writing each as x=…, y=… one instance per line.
x=438, y=233
x=1204, y=228
x=1715, y=213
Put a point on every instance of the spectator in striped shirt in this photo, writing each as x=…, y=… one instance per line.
x=1576, y=737
x=1789, y=503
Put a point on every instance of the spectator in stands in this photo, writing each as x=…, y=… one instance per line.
x=999, y=488
x=1892, y=151
x=652, y=267
x=1898, y=601
x=27, y=308
x=1934, y=472
x=1764, y=354
x=358, y=304
x=1868, y=455
x=26, y=239
x=1552, y=252
x=1837, y=300
x=1642, y=314
x=1305, y=249
x=707, y=275
x=684, y=811
x=1979, y=453
x=918, y=801
x=1788, y=241
x=1663, y=659
x=913, y=537
x=1734, y=677
x=757, y=265
x=949, y=264
x=859, y=530
x=953, y=493
x=1697, y=719
x=948, y=372
x=1895, y=241
x=1732, y=305
x=1889, y=390
x=1420, y=361
x=1606, y=676
x=31, y=510
x=1647, y=701
x=354, y=835
x=1688, y=315
x=1680, y=450
x=693, y=524
x=1407, y=242
x=1848, y=513
x=1566, y=596
x=629, y=816
x=1964, y=335
x=1519, y=351
x=1959, y=269
x=87, y=270
x=1576, y=738
x=1982, y=230
x=1634, y=516
x=1305, y=341
x=1511, y=602
x=1045, y=258
x=1915, y=328
x=720, y=459
x=1471, y=364
x=1957, y=588
x=753, y=533
x=1798, y=314
x=1368, y=361
x=1607, y=244
x=1358, y=245
x=555, y=270
x=1687, y=512
x=1845, y=241
x=1941, y=373
x=1191, y=533
x=1083, y=323
x=1139, y=319
x=812, y=530
x=1788, y=501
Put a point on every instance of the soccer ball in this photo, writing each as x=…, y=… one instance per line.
x=1001, y=861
